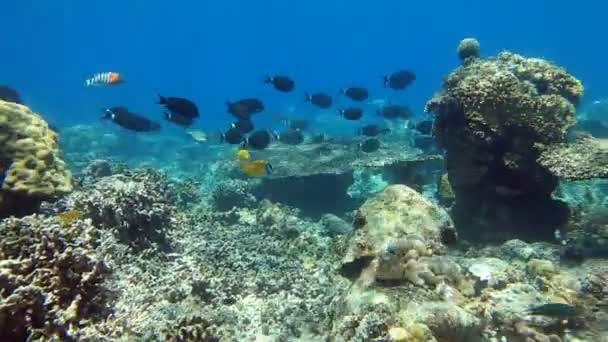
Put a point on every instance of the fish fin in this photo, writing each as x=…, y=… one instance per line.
x=268, y=168
x=107, y=114
x=4, y=172
x=275, y=135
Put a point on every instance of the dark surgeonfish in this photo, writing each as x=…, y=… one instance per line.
x=351, y=113
x=393, y=111
x=372, y=130
x=280, y=82
x=178, y=119
x=399, y=80
x=244, y=108
x=370, y=145
x=9, y=94
x=301, y=124
x=355, y=93
x=290, y=137
x=243, y=126
x=320, y=100
x=232, y=136
x=121, y=116
x=179, y=106
x=425, y=127
x=258, y=140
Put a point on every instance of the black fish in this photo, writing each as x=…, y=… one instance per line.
x=399, y=80
x=425, y=127
x=9, y=94
x=370, y=145
x=258, y=140
x=355, y=93
x=243, y=109
x=372, y=130
x=281, y=82
x=5, y=166
x=290, y=137
x=232, y=136
x=135, y=122
x=244, y=126
x=352, y=113
x=320, y=100
x=395, y=112
x=178, y=119
x=301, y=124
x=595, y=127
x=179, y=106
x=319, y=138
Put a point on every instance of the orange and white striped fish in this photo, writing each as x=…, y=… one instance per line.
x=104, y=78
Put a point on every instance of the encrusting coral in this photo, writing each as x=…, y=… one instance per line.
x=30, y=159
x=494, y=117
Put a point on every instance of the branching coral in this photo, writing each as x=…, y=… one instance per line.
x=138, y=206
x=51, y=279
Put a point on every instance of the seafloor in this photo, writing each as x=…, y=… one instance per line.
x=163, y=239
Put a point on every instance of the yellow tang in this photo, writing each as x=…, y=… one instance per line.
x=242, y=154
x=256, y=168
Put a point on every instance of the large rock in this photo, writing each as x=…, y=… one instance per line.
x=494, y=117
x=332, y=177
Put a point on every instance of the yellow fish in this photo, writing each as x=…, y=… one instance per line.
x=242, y=154
x=256, y=168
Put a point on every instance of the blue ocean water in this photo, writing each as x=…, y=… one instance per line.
x=211, y=51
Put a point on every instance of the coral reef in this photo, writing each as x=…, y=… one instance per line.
x=469, y=49
x=138, y=206
x=401, y=228
x=51, y=279
x=334, y=176
x=30, y=159
x=583, y=159
x=494, y=117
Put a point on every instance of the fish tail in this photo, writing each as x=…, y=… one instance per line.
x=267, y=79
x=161, y=99
x=167, y=115
x=4, y=172
x=268, y=169
x=275, y=135
x=222, y=137
x=386, y=80
x=307, y=97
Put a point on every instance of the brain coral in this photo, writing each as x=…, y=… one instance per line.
x=494, y=117
x=30, y=159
